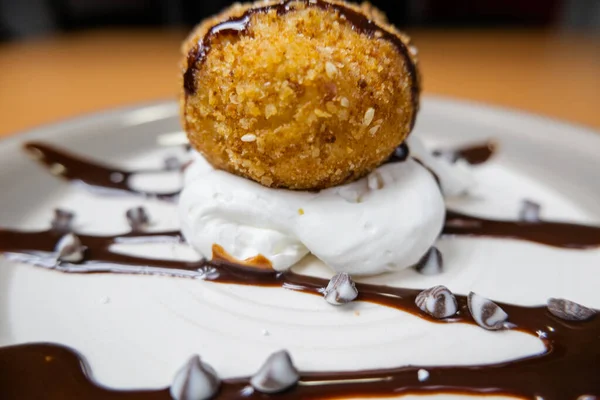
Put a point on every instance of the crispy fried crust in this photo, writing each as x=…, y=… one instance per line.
x=299, y=100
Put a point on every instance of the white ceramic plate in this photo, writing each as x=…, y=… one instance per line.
x=136, y=331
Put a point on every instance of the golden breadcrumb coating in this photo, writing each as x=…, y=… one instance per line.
x=299, y=99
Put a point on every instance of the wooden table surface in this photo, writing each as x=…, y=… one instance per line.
x=47, y=80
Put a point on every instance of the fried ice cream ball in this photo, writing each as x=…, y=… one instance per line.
x=300, y=95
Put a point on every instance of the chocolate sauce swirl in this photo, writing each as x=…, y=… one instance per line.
x=566, y=370
x=77, y=169
x=474, y=155
x=556, y=234
x=96, y=175
x=239, y=26
x=570, y=346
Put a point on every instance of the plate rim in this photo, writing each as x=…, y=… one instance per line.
x=517, y=120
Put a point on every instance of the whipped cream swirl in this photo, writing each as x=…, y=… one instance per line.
x=383, y=222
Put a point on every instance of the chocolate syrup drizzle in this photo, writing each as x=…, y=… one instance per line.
x=567, y=369
x=239, y=26
x=474, y=155
x=105, y=178
x=555, y=234
x=477, y=154
x=571, y=347
x=90, y=173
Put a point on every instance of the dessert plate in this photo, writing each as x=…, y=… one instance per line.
x=135, y=331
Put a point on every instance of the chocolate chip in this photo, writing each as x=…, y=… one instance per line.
x=400, y=153
x=138, y=218
x=340, y=290
x=422, y=375
x=530, y=211
x=569, y=310
x=172, y=163
x=69, y=249
x=63, y=220
x=432, y=263
x=117, y=177
x=277, y=374
x=196, y=380
x=486, y=313
x=438, y=301
x=208, y=273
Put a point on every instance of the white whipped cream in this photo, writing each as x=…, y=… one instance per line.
x=242, y=216
x=455, y=178
x=383, y=222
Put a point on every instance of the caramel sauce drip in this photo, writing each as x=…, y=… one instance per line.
x=259, y=261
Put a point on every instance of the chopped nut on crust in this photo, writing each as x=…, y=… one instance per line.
x=286, y=78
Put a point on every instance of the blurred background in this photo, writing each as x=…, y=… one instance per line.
x=60, y=58
x=19, y=19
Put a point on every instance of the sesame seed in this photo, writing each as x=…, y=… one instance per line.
x=330, y=69
x=249, y=137
x=369, y=115
x=345, y=102
x=321, y=113
x=374, y=130
x=270, y=110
